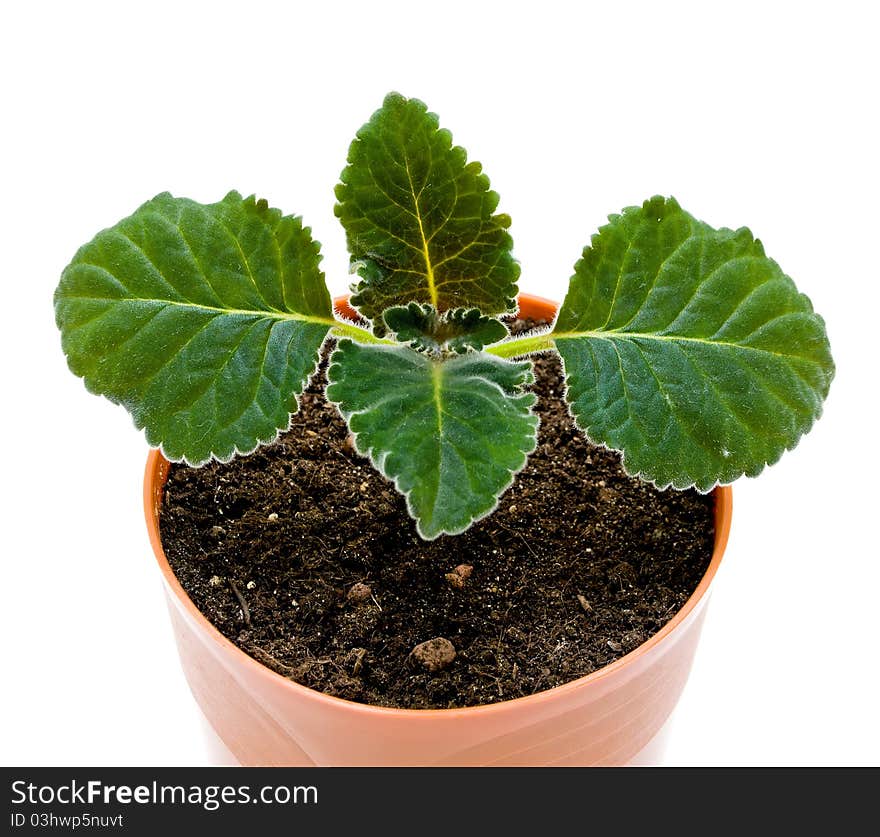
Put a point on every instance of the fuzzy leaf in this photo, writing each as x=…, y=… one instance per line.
x=203, y=321
x=688, y=349
x=456, y=330
x=450, y=433
x=419, y=218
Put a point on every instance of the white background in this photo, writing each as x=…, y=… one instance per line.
x=762, y=114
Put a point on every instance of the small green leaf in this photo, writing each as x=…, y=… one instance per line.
x=203, y=321
x=419, y=218
x=450, y=433
x=457, y=330
x=688, y=349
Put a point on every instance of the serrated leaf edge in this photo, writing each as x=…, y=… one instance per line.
x=260, y=442
x=271, y=313
x=379, y=462
x=419, y=345
x=551, y=335
x=645, y=476
x=511, y=303
x=213, y=456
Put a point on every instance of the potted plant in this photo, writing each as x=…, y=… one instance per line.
x=682, y=346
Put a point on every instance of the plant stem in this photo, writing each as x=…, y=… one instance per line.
x=509, y=348
x=356, y=333
x=522, y=345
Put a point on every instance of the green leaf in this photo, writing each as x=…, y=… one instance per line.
x=688, y=349
x=419, y=218
x=450, y=433
x=456, y=330
x=203, y=321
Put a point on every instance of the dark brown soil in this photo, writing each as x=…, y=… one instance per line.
x=305, y=557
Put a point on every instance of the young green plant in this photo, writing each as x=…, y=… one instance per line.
x=684, y=347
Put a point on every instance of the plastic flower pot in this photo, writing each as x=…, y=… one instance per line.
x=608, y=717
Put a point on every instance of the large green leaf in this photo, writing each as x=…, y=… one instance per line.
x=419, y=218
x=688, y=349
x=450, y=433
x=203, y=321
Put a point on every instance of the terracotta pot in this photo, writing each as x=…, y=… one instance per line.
x=605, y=718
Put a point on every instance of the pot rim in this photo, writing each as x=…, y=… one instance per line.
x=156, y=472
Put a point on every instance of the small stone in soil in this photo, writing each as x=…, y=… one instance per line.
x=359, y=592
x=459, y=576
x=273, y=518
x=434, y=654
